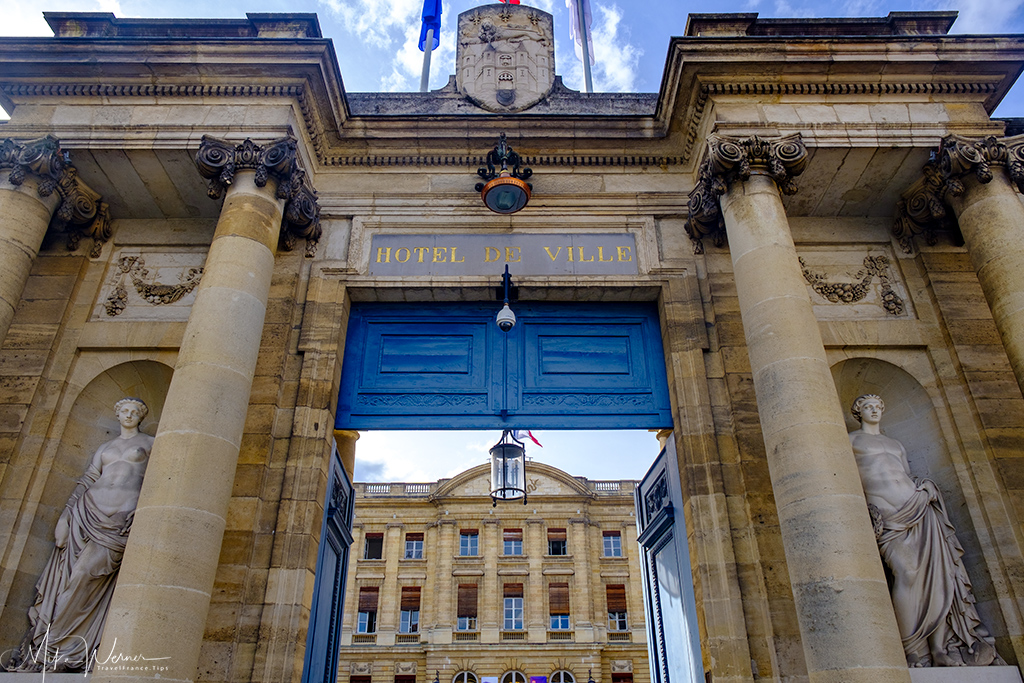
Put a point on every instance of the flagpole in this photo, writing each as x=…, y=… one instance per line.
x=585, y=37
x=428, y=47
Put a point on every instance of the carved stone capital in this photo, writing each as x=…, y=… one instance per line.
x=218, y=161
x=922, y=211
x=80, y=205
x=732, y=159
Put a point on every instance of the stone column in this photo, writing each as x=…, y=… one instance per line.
x=443, y=618
x=586, y=565
x=846, y=621
x=982, y=178
x=345, y=440
x=174, y=548
x=41, y=187
x=536, y=613
x=491, y=603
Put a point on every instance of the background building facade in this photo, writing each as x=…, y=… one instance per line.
x=443, y=583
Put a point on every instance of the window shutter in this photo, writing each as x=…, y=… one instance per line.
x=368, y=599
x=467, y=600
x=616, y=598
x=611, y=533
x=410, y=597
x=558, y=598
x=512, y=534
x=468, y=532
x=414, y=537
x=556, y=534
x=513, y=590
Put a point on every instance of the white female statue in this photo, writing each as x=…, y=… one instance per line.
x=73, y=593
x=931, y=592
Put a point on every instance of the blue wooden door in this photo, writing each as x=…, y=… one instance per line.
x=324, y=636
x=563, y=366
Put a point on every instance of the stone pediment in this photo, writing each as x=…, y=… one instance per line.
x=541, y=480
x=505, y=57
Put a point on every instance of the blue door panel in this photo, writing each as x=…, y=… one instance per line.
x=447, y=366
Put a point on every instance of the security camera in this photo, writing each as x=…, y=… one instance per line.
x=506, y=318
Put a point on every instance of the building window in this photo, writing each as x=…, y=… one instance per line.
x=612, y=544
x=466, y=608
x=367, y=610
x=562, y=677
x=414, y=546
x=513, y=607
x=405, y=679
x=359, y=679
x=465, y=677
x=513, y=541
x=616, y=595
x=557, y=542
x=558, y=606
x=469, y=543
x=374, y=548
x=622, y=678
x=513, y=677
x=410, y=621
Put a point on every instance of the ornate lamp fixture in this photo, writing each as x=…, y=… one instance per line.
x=508, y=469
x=506, y=190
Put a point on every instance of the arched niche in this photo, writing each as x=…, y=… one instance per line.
x=910, y=417
x=90, y=423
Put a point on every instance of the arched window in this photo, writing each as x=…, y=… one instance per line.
x=562, y=677
x=513, y=677
x=465, y=677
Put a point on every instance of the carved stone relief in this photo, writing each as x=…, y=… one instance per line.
x=853, y=283
x=361, y=668
x=622, y=666
x=405, y=668
x=505, y=57
x=150, y=286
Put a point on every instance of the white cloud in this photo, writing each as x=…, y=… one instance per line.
x=378, y=23
x=987, y=16
x=616, y=59
x=407, y=63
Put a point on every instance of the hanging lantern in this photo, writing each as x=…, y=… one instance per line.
x=508, y=469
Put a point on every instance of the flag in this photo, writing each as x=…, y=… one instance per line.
x=574, y=28
x=431, y=20
x=510, y=2
x=522, y=434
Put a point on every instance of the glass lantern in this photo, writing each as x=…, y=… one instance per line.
x=508, y=469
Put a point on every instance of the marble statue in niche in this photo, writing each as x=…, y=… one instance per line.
x=73, y=593
x=931, y=592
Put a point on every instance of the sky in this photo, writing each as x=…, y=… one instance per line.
x=375, y=41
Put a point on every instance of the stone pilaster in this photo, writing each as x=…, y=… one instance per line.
x=846, y=622
x=444, y=619
x=174, y=549
x=979, y=178
x=490, y=608
x=585, y=614
x=40, y=188
x=536, y=605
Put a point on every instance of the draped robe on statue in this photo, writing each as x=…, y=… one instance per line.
x=931, y=590
x=73, y=596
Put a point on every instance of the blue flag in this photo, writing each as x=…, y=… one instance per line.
x=431, y=20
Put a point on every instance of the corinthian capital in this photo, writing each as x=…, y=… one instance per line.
x=80, y=206
x=732, y=159
x=218, y=161
x=922, y=211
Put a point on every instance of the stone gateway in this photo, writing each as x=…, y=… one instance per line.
x=808, y=210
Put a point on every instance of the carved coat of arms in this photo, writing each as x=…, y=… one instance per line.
x=505, y=60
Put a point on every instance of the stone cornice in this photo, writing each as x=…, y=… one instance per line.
x=732, y=159
x=218, y=161
x=80, y=206
x=923, y=209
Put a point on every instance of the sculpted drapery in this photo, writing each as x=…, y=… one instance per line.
x=931, y=592
x=73, y=593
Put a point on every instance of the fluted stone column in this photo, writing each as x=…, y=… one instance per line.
x=38, y=183
x=846, y=621
x=174, y=547
x=982, y=178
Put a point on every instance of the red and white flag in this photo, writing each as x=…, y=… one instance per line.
x=523, y=434
x=510, y=2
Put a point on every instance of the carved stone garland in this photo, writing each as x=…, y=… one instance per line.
x=730, y=159
x=80, y=206
x=852, y=292
x=154, y=292
x=218, y=161
x=923, y=211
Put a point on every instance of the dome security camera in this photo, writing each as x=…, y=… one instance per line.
x=506, y=318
